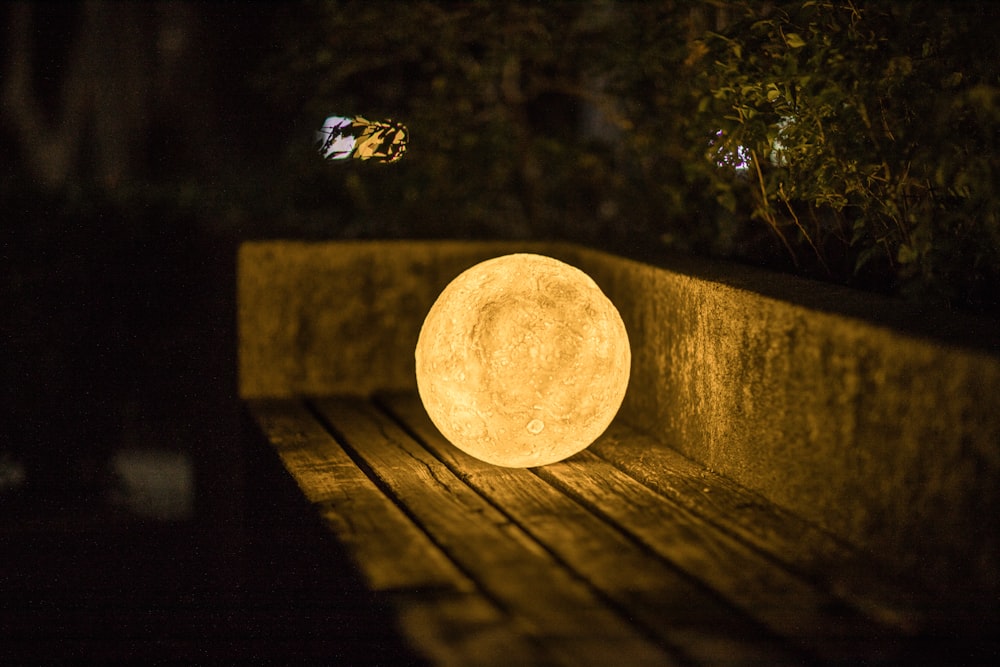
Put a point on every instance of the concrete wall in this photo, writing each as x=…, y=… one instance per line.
x=341, y=318
x=888, y=438
x=871, y=418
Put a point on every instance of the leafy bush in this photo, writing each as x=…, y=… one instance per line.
x=871, y=132
x=853, y=142
x=518, y=120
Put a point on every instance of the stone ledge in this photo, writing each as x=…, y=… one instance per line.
x=876, y=422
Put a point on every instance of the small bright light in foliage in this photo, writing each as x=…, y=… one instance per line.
x=522, y=361
x=738, y=159
x=343, y=137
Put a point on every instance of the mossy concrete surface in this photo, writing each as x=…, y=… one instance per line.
x=877, y=421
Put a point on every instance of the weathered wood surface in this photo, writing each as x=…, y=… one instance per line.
x=624, y=554
x=440, y=609
x=874, y=420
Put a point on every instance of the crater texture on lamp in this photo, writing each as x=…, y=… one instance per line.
x=522, y=361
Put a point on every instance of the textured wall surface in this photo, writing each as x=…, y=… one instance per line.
x=889, y=439
x=875, y=420
x=341, y=318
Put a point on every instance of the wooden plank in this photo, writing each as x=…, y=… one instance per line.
x=799, y=544
x=787, y=604
x=655, y=594
x=557, y=609
x=391, y=551
x=444, y=615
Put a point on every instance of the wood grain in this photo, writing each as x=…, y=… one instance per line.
x=623, y=554
x=787, y=604
x=391, y=551
x=444, y=615
x=798, y=544
x=650, y=590
x=554, y=607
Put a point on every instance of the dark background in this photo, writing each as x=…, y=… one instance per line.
x=120, y=157
x=141, y=142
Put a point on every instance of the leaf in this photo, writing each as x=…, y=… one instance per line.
x=906, y=254
x=794, y=40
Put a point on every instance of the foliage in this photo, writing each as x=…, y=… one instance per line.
x=517, y=123
x=872, y=136
x=854, y=142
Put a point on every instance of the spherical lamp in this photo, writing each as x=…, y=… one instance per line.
x=522, y=361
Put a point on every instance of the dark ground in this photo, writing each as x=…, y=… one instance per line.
x=251, y=576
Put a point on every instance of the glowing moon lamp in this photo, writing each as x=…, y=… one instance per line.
x=522, y=361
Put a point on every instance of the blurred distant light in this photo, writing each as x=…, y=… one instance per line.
x=155, y=483
x=12, y=473
x=347, y=137
x=738, y=159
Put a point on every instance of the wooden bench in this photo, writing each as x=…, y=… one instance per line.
x=652, y=547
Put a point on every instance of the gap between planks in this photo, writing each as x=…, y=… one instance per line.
x=591, y=515
x=440, y=610
x=548, y=603
x=566, y=553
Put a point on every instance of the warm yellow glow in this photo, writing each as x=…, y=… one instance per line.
x=522, y=361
